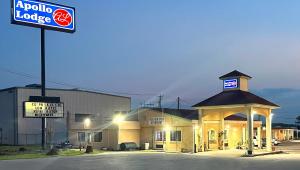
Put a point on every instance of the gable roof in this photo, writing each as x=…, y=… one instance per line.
x=236, y=117
x=193, y=114
x=235, y=73
x=234, y=97
x=283, y=126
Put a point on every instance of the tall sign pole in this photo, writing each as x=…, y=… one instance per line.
x=43, y=85
x=43, y=15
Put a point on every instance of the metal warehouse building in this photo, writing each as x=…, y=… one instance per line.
x=78, y=106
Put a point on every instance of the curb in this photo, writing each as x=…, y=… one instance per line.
x=263, y=154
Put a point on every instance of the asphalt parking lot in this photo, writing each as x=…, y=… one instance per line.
x=289, y=147
x=161, y=161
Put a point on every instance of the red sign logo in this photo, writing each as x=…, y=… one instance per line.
x=62, y=17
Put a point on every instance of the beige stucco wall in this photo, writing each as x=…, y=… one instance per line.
x=244, y=84
x=129, y=131
x=171, y=123
x=235, y=133
x=282, y=134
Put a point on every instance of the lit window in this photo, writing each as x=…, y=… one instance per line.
x=160, y=136
x=175, y=136
x=225, y=134
x=212, y=136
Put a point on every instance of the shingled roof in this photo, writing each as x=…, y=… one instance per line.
x=236, y=117
x=184, y=113
x=193, y=114
x=234, y=97
x=235, y=73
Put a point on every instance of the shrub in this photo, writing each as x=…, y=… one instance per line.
x=22, y=149
x=53, y=152
x=89, y=149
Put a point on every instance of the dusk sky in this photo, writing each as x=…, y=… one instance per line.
x=169, y=47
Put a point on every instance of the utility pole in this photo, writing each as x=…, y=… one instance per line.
x=178, y=103
x=160, y=101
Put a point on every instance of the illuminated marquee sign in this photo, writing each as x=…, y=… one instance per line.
x=230, y=84
x=43, y=14
x=41, y=109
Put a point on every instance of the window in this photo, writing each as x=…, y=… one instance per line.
x=89, y=137
x=226, y=134
x=212, y=136
x=81, y=117
x=160, y=136
x=175, y=135
x=81, y=136
x=97, y=136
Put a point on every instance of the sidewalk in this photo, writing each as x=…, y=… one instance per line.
x=236, y=153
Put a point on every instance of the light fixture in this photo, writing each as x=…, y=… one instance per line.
x=167, y=128
x=87, y=122
x=118, y=118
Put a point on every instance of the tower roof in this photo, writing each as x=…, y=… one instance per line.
x=235, y=73
x=234, y=97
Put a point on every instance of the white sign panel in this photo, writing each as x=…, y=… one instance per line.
x=41, y=109
x=157, y=121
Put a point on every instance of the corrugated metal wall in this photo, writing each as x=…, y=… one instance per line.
x=7, y=123
x=101, y=106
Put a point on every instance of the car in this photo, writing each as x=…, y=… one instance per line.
x=275, y=142
x=64, y=145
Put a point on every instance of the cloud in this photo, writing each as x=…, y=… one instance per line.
x=287, y=98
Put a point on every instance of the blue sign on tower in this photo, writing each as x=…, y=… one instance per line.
x=43, y=14
x=230, y=84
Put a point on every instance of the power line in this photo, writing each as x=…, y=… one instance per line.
x=72, y=85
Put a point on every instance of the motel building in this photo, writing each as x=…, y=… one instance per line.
x=223, y=121
x=283, y=133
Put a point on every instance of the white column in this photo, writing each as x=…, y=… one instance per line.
x=244, y=136
x=250, y=130
x=269, y=131
x=201, y=129
x=194, y=149
x=258, y=138
x=222, y=129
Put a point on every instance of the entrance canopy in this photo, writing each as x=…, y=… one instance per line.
x=235, y=98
